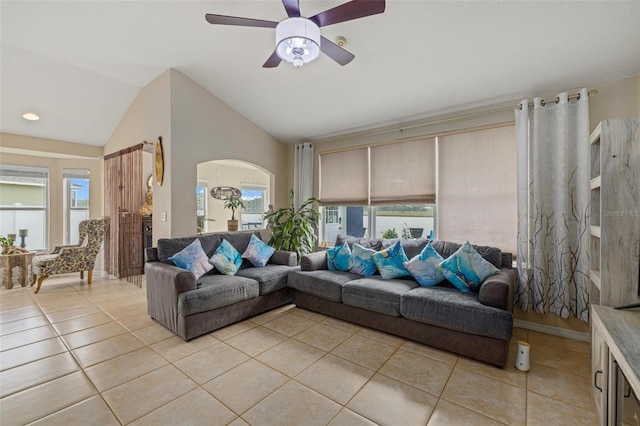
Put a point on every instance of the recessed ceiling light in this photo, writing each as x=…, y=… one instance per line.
x=31, y=116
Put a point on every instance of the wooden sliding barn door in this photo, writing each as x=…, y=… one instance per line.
x=123, y=199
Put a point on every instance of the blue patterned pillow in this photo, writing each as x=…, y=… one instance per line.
x=362, y=261
x=424, y=267
x=226, y=258
x=466, y=269
x=339, y=258
x=390, y=262
x=193, y=259
x=258, y=252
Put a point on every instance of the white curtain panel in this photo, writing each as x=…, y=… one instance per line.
x=552, y=149
x=303, y=173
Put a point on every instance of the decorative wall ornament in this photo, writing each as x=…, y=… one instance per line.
x=159, y=161
x=225, y=192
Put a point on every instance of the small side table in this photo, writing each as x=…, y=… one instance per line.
x=16, y=269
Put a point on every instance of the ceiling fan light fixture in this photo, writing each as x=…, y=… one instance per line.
x=297, y=41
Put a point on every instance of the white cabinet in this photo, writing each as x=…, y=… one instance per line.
x=599, y=372
x=615, y=353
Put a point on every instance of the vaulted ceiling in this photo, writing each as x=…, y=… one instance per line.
x=80, y=64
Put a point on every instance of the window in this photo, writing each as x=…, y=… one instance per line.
x=404, y=221
x=24, y=200
x=253, y=197
x=477, y=188
x=471, y=174
x=76, y=202
x=201, y=206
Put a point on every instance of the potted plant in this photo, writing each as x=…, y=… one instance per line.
x=200, y=219
x=294, y=229
x=233, y=203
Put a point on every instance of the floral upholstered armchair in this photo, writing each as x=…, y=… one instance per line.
x=75, y=258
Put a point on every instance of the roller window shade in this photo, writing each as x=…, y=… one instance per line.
x=344, y=177
x=477, y=188
x=404, y=172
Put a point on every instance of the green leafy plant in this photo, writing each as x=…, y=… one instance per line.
x=200, y=219
x=406, y=232
x=294, y=229
x=233, y=203
x=390, y=233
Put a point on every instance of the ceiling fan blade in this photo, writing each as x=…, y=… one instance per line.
x=345, y=12
x=234, y=20
x=273, y=61
x=292, y=7
x=335, y=52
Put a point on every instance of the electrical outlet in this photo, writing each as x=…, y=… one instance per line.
x=164, y=216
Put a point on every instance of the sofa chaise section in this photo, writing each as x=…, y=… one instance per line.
x=191, y=307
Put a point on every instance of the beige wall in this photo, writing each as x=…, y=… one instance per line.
x=203, y=128
x=47, y=153
x=195, y=127
x=217, y=174
x=148, y=117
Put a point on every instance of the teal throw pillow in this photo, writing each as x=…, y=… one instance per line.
x=193, y=259
x=258, y=252
x=390, y=262
x=424, y=266
x=466, y=269
x=362, y=261
x=226, y=258
x=339, y=258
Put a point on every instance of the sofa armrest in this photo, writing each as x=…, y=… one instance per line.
x=497, y=290
x=161, y=276
x=164, y=284
x=283, y=257
x=314, y=261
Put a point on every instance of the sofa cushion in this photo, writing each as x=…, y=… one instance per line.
x=339, y=257
x=390, y=262
x=491, y=254
x=377, y=294
x=216, y=291
x=412, y=247
x=362, y=261
x=448, y=308
x=270, y=277
x=167, y=247
x=424, y=267
x=466, y=269
x=372, y=243
x=226, y=258
x=322, y=283
x=257, y=252
x=193, y=259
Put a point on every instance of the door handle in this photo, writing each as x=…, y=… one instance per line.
x=595, y=379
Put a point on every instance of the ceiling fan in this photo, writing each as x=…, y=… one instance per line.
x=298, y=39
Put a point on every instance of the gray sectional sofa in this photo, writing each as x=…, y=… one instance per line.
x=191, y=307
x=475, y=325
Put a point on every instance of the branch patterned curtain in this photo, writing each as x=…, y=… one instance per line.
x=303, y=173
x=123, y=198
x=552, y=148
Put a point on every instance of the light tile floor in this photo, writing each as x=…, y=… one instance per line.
x=89, y=355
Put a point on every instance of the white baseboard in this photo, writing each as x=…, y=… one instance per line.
x=556, y=331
